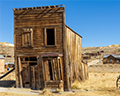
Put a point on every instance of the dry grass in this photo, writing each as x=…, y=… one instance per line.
x=47, y=93
x=101, y=82
x=14, y=94
x=98, y=84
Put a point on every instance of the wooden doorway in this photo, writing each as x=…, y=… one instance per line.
x=52, y=69
x=53, y=74
x=34, y=76
x=28, y=71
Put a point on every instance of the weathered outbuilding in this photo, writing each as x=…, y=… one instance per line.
x=10, y=65
x=111, y=58
x=47, y=51
x=86, y=57
x=2, y=62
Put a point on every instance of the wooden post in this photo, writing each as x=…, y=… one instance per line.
x=38, y=64
x=16, y=72
x=20, y=71
x=43, y=71
x=58, y=68
x=52, y=68
x=66, y=80
x=29, y=75
x=34, y=76
x=61, y=68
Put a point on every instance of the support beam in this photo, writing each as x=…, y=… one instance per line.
x=20, y=71
x=34, y=76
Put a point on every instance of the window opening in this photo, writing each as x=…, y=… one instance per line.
x=50, y=69
x=9, y=56
x=26, y=59
x=33, y=59
x=27, y=37
x=32, y=64
x=110, y=60
x=22, y=59
x=50, y=37
x=117, y=61
x=27, y=83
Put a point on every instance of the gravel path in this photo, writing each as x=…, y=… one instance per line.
x=20, y=90
x=94, y=62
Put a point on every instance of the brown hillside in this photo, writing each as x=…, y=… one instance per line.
x=9, y=49
x=111, y=49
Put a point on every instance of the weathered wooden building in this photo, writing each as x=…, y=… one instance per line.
x=86, y=57
x=10, y=65
x=47, y=52
x=107, y=59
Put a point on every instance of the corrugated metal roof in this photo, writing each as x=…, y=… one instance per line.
x=114, y=55
x=1, y=57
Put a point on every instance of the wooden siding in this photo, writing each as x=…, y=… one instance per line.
x=38, y=25
x=37, y=19
x=75, y=67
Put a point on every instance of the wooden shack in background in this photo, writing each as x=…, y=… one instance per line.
x=47, y=51
x=86, y=57
x=2, y=62
x=111, y=58
x=10, y=65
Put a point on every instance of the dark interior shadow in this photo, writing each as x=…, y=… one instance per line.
x=7, y=83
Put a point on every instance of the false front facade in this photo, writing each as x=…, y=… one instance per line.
x=47, y=52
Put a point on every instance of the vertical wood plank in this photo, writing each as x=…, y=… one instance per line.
x=52, y=68
x=20, y=71
x=32, y=37
x=45, y=36
x=29, y=75
x=55, y=35
x=67, y=87
x=44, y=64
x=38, y=64
x=48, y=71
x=34, y=76
x=58, y=63
x=61, y=68
x=23, y=38
x=43, y=71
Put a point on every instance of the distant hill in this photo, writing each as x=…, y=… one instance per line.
x=9, y=50
x=6, y=44
x=111, y=49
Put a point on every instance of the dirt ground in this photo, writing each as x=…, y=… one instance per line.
x=101, y=82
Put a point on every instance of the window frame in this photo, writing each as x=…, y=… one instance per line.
x=27, y=30
x=45, y=36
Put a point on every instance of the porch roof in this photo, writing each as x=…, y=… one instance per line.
x=114, y=55
x=51, y=54
x=1, y=57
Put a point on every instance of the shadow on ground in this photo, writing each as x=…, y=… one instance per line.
x=7, y=83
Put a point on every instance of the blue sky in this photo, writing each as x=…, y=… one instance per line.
x=97, y=21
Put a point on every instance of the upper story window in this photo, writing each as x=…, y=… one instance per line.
x=50, y=36
x=27, y=37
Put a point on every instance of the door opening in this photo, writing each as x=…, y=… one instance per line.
x=50, y=69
